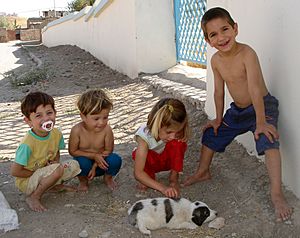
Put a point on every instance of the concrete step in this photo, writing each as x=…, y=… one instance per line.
x=183, y=82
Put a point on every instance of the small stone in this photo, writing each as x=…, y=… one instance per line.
x=288, y=222
x=83, y=234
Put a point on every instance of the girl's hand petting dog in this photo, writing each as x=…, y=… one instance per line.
x=170, y=192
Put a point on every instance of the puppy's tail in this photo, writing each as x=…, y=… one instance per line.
x=132, y=213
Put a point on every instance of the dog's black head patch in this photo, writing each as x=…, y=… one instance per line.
x=200, y=214
x=132, y=216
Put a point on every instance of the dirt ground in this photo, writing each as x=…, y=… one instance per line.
x=239, y=189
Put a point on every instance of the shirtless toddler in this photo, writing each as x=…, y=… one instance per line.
x=91, y=141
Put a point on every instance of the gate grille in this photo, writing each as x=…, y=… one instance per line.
x=190, y=42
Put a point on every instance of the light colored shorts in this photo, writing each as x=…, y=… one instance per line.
x=71, y=169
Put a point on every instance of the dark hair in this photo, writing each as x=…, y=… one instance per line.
x=32, y=100
x=213, y=13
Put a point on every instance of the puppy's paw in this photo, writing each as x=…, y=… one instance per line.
x=145, y=231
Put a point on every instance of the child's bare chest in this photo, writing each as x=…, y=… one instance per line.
x=93, y=142
x=232, y=70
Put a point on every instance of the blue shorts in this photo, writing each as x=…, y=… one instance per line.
x=238, y=121
x=114, y=164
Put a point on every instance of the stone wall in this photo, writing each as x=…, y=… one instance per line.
x=30, y=34
x=3, y=35
x=11, y=35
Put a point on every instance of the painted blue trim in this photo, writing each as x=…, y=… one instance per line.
x=177, y=24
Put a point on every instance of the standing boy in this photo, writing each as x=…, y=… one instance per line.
x=253, y=108
x=91, y=141
x=36, y=166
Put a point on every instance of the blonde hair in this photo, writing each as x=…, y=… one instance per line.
x=168, y=112
x=93, y=102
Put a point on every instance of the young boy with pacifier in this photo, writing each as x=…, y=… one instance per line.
x=36, y=166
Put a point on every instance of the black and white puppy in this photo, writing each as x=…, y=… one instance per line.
x=151, y=214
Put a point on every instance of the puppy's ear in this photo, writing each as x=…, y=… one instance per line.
x=132, y=216
x=199, y=215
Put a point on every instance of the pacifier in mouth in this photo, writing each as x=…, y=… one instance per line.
x=48, y=125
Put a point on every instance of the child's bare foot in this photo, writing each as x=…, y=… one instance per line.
x=63, y=188
x=109, y=181
x=283, y=211
x=197, y=177
x=35, y=204
x=83, y=184
x=69, y=188
x=141, y=187
x=83, y=187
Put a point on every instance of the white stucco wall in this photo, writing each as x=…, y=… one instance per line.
x=155, y=32
x=110, y=36
x=129, y=36
x=270, y=27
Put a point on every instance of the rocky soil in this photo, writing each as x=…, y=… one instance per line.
x=239, y=189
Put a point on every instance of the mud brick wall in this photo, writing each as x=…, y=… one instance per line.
x=3, y=35
x=30, y=34
x=11, y=35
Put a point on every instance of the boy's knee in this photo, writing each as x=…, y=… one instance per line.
x=264, y=146
x=114, y=164
x=85, y=165
x=114, y=160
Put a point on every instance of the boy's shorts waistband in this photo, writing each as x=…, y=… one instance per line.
x=267, y=97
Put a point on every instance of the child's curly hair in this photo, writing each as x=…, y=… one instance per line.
x=93, y=102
